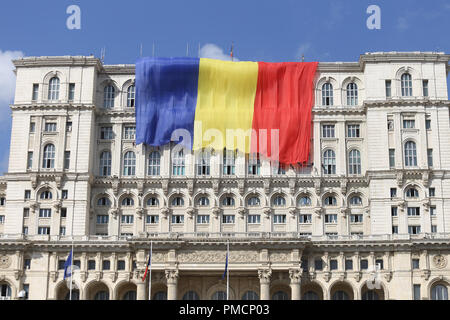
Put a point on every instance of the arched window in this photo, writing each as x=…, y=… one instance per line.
x=280, y=295
x=202, y=163
x=5, y=291
x=129, y=164
x=75, y=295
x=410, y=154
x=160, y=295
x=103, y=201
x=48, y=161
x=340, y=295
x=127, y=202
x=406, y=83
x=177, y=202
x=279, y=201
x=101, y=295
x=53, y=89
x=412, y=193
x=354, y=162
x=191, y=295
x=330, y=201
x=250, y=295
x=329, y=162
x=310, y=295
x=228, y=202
x=304, y=201
x=370, y=295
x=356, y=201
x=203, y=202
x=130, y=295
x=229, y=161
x=178, y=163
x=152, y=202
x=327, y=94
x=109, y=93
x=219, y=295
x=154, y=163
x=131, y=96
x=46, y=195
x=352, y=94
x=105, y=163
x=439, y=292
x=253, y=202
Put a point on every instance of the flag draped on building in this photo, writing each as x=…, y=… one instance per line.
x=261, y=104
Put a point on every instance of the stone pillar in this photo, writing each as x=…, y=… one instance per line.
x=264, y=283
x=172, y=282
x=296, y=276
x=140, y=290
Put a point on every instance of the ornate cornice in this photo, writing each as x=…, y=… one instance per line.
x=57, y=106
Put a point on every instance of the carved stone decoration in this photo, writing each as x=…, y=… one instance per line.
x=267, y=211
x=57, y=205
x=114, y=212
x=358, y=276
x=202, y=256
x=388, y=276
x=140, y=188
x=295, y=275
x=165, y=212
x=342, y=276
x=98, y=275
x=318, y=211
x=426, y=274
x=165, y=186
x=113, y=276
x=327, y=276
x=292, y=183
x=139, y=211
x=91, y=213
x=190, y=187
x=264, y=275
x=345, y=212
x=34, y=180
x=367, y=211
x=312, y=275
x=440, y=261
x=401, y=205
x=191, y=212
x=293, y=211
x=426, y=205
x=344, y=186
x=18, y=274
x=279, y=256
x=399, y=178
x=5, y=262
x=241, y=186
x=266, y=186
x=215, y=185
x=34, y=206
x=171, y=276
x=425, y=178
x=115, y=186
x=58, y=180
x=83, y=276
x=317, y=185
x=242, y=211
x=54, y=276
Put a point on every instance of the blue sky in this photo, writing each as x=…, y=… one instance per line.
x=276, y=30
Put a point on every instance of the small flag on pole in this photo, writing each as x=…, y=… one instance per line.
x=231, y=52
x=68, y=266
x=148, y=264
x=226, y=267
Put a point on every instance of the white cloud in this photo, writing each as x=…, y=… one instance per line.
x=212, y=51
x=402, y=24
x=7, y=80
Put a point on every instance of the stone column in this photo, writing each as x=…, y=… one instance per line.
x=172, y=282
x=140, y=290
x=264, y=282
x=296, y=276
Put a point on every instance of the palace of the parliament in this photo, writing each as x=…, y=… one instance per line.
x=367, y=218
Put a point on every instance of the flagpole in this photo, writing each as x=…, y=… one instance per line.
x=71, y=272
x=150, y=275
x=228, y=268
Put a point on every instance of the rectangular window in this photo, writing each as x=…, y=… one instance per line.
x=25, y=230
x=392, y=158
x=432, y=210
x=253, y=219
x=71, y=91
x=69, y=126
x=388, y=88
x=77, y=263
x=393, y=192
x=394, y=211
x=279, y=218
x=430, y=157
x=27, y=194
x=227, y=219
x=127, y=219
x=425, y=88
x=328, y=131
x=50, y=127
x=106, y=265
x=61, y=264
x=30, y=160
x=121, y=265
x=356, y=218
x=35, y=95
x=129, y=133
x=331, y=218
x=353, y=131
x=348, y=264
x=63, y=212
x=44, y=230
x=428, y=124
x=390, y=124
x=26, y=212
x=433, y=229
x=333, y=264
x=152, y=219
x=416, y=291
x=2, y=219
x=177, y=219
x=364, y=264
x=318, y=264
x=106, y=133
x=413, y=211
x=415, y=264
x=91, y=264
x=64, y=194
x=394, y=229
x=304, y=263
x=32, y=127
x=379, y=264
x=62, y=231
x=432, y=192
x=27, y=264
x=45, y=213
x=413, y=229
x=305, y=218
x=66, y=159
x=203, y=219
x=409, y=124
x=102, y=219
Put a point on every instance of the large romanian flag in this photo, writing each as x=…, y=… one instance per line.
x=250, y=106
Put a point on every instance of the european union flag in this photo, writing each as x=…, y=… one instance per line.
x=226, y=267
x=68, y=266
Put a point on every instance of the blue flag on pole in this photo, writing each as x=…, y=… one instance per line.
x=226, y=267
x=68, y=266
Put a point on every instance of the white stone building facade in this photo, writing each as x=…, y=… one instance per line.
x=367, y=218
